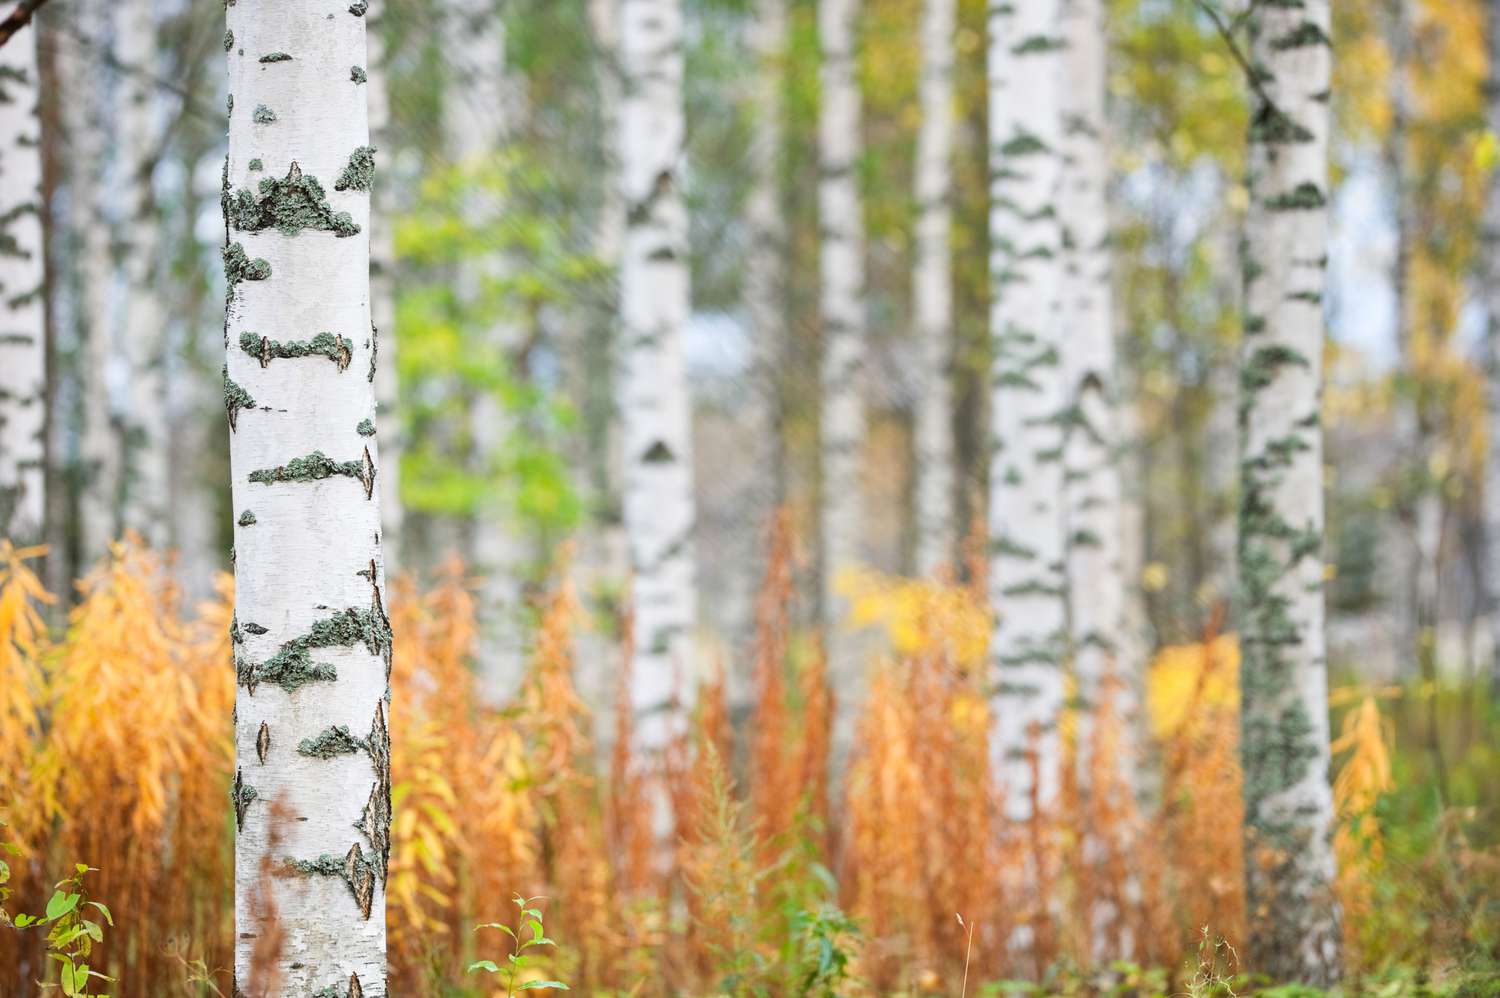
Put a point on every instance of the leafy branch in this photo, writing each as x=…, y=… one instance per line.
x=528, y=924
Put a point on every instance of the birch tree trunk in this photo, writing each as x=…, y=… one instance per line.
x=1490, y=261
x=22, y=327
x=87, y=129
x=654, y=404
x=383, y=301
x=311, y=637
x=842, y=314
x=1284, y=711
x=1026, y=471
x=146, y=489
x=478, y=120
x=932, y=293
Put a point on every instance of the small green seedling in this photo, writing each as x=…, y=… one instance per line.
x=527, y=933
x=73, y=934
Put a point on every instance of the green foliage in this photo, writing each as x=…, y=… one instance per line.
x=527, y=934
x=74, y=926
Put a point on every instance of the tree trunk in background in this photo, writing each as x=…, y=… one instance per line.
x=146, y=487
x=1220, y=466
x=842, y=315
x=88, y=137
x=1418, y=572
x=1284, y=712
x=932, y=294
x=1490, y=262
x=654, y=404
x=478, y=117
x=23, y=345
x=1092, y=489
x=1026, y=470
x=312, y=642
x=383, y=301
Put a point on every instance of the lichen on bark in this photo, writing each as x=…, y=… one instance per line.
x=359, y=174
x=289, y=206
x=264, y=349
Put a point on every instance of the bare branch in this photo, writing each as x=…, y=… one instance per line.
x=18, y=18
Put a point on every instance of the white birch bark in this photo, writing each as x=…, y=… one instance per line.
x=842, y=313
x=1092, y=489
x=1027, y=402
x=312, y=641
x=1490, y=262
x=383, y=300
x=1284, y=738
x=87, y=128
x=146, y=489
x=478, y=118
x=654, y=402
x=22, y=326
x=932, y=293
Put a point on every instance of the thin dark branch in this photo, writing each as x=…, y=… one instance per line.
x=1227, y=31
x=18, y=18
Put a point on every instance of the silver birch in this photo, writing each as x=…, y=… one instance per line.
x=312, y=645
x=842, y=313
x=654, y=404
x=1284, y=711
x=146, y=491
x=22, y=326
x=932, y=293
x=1026, y=567
x=383, y=299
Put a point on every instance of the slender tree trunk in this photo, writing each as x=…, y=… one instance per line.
x=146, y=490
x=1490, y=262
x=311, y=638
x=23, y=343
x=1026, y=471
x=654, y=405
x=383, y=301
x=87, y=130
x=1221, y=470
x=932, y=294
x=479, y=118
x=1284, y=712
x=842, y=313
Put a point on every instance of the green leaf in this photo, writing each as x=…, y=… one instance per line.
x=539, y=985
x=487, y=965
x=103, y=911
x=61, y=904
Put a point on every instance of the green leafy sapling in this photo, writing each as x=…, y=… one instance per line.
x=74, y=928
x=527, y=934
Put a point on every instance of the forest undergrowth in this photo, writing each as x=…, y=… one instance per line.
x=116, y=752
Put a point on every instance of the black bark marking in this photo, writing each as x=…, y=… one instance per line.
x=263, y=742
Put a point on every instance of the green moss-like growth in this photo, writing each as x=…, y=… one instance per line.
x=235, y=399
x=359, y=8
x=256, y=166
x=228, y=40
x=331, y=742
x=264, y=349
x=316, y=467
x=1038, y=44
x=366, y=428
x=359, y=174
x=1024, y=144
x=239, y=267
x=291, y=668
x=1274, y=127
x=276, y=57
x=289, y=206
x=357, y=872
x=247, y=519
x=241, y=794
x=1305, y=34
x=1304, y=197
x=263, y=115
x=358, y=75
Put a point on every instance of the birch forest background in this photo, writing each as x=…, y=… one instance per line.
x=749, y=498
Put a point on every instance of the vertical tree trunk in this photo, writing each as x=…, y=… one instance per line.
x=1284, y=741
x=1026, y=472
x=311, y=638
x=932, y=293
x=87, y=128
x=22, y=321
x=842, y=314
x=146, y=488
x=479, y=117
x=383, y=302
x=1490, y=262
x=654, y=404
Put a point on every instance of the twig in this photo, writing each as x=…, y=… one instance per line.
x=1226, y=31
x=18, y=18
